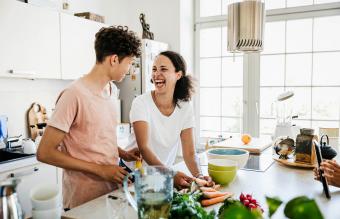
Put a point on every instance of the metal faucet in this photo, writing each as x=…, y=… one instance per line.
x=9, y=140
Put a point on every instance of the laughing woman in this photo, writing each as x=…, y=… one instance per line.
x=163, y=119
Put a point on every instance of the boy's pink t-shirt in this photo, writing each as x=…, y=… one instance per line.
x=89, y=120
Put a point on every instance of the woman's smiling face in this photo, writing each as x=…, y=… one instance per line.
x=164, y=75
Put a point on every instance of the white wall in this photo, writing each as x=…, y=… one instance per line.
x=171, y=21
x=17, y=95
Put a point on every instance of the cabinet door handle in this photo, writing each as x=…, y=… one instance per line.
x=21, y=72
x=24, y=173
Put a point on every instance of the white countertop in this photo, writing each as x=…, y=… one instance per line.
x=278, y=180
x=12, y=165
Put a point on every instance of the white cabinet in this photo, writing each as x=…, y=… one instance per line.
x=29, y=41
x=77, y=45
x=31, y=176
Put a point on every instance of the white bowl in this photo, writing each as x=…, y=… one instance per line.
x=239, y=155
x=45, y=196
x=54, y=213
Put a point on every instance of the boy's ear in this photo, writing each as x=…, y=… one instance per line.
x=114, y=59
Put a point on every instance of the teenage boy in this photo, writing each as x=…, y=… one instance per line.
x=81, y=135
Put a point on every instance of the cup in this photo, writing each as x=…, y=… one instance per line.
x=45, y=197
x=54, y=213
x=153, y=192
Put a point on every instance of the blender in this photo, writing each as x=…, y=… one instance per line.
x=284, y=110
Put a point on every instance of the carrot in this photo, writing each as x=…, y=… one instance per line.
x=212, y=201
x=217, y=186
x=214, y=194
x=201, y=182
x=207, y=189
x=210, y=184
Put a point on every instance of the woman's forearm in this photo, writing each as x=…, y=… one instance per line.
x=189, y=153
x=141, y=129
x=193, y=164
x=149, y=157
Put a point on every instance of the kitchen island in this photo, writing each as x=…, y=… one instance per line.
x=278, y=180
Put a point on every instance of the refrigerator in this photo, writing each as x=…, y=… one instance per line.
x=138, y=79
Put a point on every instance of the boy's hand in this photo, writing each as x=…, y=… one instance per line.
x=112, y=173
x=131, y=155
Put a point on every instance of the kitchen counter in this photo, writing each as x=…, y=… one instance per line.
x=15, y=164
x=278, y=180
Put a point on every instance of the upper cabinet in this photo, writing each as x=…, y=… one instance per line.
x=77, y=45
x=29, y=41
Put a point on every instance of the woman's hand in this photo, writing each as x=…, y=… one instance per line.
x=130, y=155
x=112, y=173
x=181, y=180
x=331, y=171
x=208, y=179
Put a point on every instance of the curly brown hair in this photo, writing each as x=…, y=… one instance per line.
x=116, y=40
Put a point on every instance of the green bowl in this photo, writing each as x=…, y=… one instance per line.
x=222, y=164
x=222, y=177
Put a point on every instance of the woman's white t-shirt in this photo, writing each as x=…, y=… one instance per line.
x=164, y=131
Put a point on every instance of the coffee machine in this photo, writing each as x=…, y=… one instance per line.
x=284, y=118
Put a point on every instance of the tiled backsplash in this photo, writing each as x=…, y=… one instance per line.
x=17, y=96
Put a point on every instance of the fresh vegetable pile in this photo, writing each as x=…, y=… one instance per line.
x=187, y=206
x=249, y=202
x=245, y=208
x=298, y=208
x=187, y=203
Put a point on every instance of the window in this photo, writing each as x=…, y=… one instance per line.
x=221, y=76
x=303, y=56
x=301, y=53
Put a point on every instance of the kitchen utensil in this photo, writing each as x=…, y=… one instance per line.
x=153, y=191
x=239, y=155
x=290, y=162
x=37, y=119
x=222, y=177
x=54, y=213
x=326, y=150
x=45, y=197
x=255, y=146
x=284, y=146
x=222, y=164
x=10, y=207
x=29, y=146
x=284, y=110
x=323, y=179
x=304, y=148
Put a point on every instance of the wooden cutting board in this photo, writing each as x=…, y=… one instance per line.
x=35, y=115
x=255, y=146
x=292, y=163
